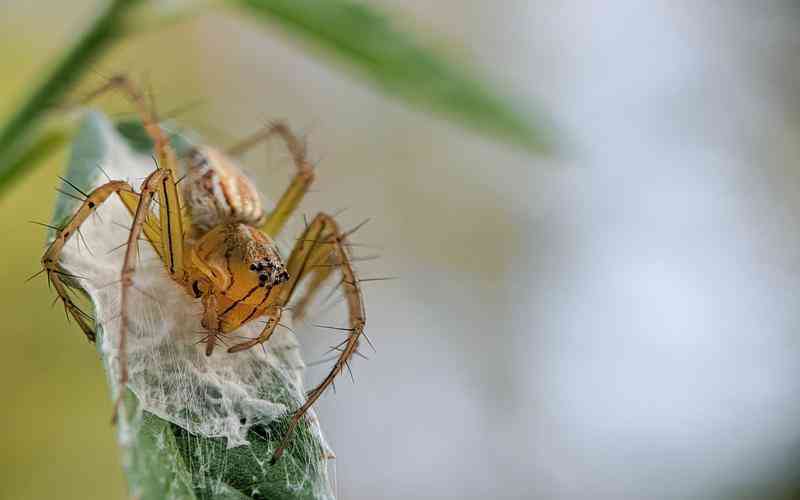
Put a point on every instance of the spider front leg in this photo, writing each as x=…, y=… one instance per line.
x=321, y=238
x=150, y=188
x=141, y=215
x=50, y=259
x=288, y=202
x=323, y=271
x=273, y=314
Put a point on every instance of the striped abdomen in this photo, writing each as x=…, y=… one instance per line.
x=215, y=191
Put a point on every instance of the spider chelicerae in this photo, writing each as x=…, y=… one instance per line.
x=216, y=241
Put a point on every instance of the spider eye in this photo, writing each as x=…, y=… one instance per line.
x=284, y=276
x=253, y=267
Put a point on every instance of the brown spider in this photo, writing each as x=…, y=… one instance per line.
x=216, y=242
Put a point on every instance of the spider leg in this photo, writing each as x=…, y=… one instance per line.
x=356, y=313
x=324, y=264
x=131, y=91
x=151, y=226
x=322, y=268
x=322, y=232
x=273, y=317
x=53, y=253
x=170, y=216
x=300, y=183
x=150, y=188
x=210, y=320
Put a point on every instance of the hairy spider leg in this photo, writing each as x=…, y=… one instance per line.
x=151, y=226
x=51, y=256
x=166, y=235
x=323, y=268
x=170, y=220
x=149, y=190
x=291, y=198
x=322, y=231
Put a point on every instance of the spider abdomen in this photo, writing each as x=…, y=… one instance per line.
x=216, y=191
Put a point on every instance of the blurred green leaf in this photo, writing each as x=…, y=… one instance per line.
x=17, y=133
x=396, y=63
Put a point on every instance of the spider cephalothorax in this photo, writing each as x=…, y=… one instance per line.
x=239, y=265
x=216, y=242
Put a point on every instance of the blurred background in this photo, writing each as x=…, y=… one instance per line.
x=619, y=321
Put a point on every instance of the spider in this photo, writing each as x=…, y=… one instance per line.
x=216, y=242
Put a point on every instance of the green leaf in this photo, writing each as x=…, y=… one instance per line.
x=22, y=125
x=393, y=60
x=163, y=460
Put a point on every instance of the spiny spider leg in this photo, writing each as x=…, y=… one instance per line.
x=300, y=183
x=321, y=273
x=323, y=265
x=170, y=215
x=123, y=83
x=151, y=227
x=322, y=231
x=53, y=253
x=273, y=315
x=149, y=189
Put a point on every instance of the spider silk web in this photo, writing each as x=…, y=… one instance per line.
x=223, y=410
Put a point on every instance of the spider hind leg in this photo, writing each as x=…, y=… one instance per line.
x=321, y=240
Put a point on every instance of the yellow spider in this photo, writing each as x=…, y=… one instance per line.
x=216, y=242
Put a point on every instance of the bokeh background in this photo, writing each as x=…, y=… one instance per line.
x=619, y=321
